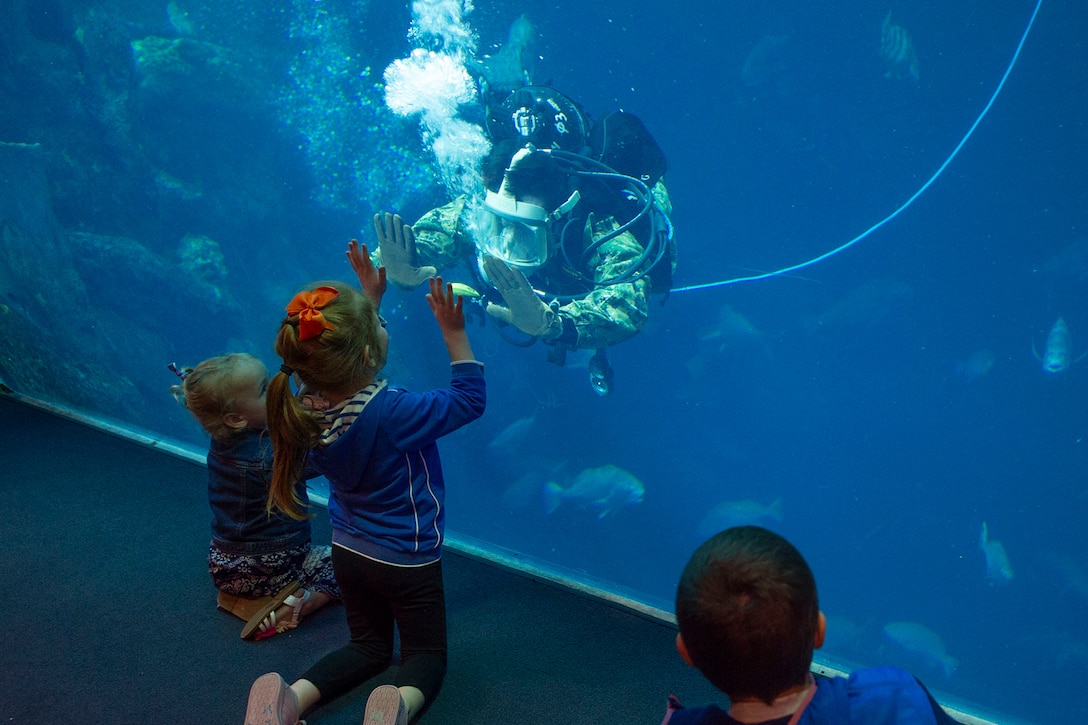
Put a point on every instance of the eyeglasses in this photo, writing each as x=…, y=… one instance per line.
x=381, y=321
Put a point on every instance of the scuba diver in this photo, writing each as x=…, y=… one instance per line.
x=572, y=235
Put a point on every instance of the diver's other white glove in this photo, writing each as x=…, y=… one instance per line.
x=524, y=310
x=397, y=243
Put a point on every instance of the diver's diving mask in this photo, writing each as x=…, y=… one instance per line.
x=515, y=231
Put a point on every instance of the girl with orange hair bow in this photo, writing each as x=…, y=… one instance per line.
x=377, y=446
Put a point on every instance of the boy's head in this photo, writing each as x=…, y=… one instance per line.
x=226, y=394
x=748, y=614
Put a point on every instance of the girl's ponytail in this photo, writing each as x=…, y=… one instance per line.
x=294, y=432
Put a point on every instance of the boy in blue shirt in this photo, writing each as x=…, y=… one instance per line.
x=749, y=620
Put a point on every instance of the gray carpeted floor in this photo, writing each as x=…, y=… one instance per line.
x=111, y=617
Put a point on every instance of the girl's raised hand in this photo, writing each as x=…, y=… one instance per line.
x=446, y=306
x=447, y=309
x=371, y=278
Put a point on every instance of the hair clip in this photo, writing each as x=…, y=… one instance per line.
x=180, y=373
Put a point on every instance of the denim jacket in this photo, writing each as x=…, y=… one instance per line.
x=239, y=473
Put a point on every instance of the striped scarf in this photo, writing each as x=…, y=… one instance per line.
x=335, y=421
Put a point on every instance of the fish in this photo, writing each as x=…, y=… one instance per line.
x=513, y=433
x=864, y=307
x=1063, y=651
x=179, y=19
x=522, y=492
x=844, y=633
x=463, y=290
x=766, y=62
x=510, y=68
x=998, y=568
x=922, y=641
x=1068, y=263
x=1072, y=578
x=603, y=490
x=897, y=48
x=474, y=309
x=978, y=364
x=600, y=373
x=728, y=514
x=1057, y=357
x=731, y=325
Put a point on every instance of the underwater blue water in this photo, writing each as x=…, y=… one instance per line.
x=877, y=408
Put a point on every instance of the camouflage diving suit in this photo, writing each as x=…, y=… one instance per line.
x=604, y=316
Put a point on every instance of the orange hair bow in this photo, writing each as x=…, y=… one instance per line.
x=307, y=305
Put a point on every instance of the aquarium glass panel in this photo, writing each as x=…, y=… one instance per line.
x=854, y=311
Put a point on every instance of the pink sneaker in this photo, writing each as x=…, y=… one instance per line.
x=272, y=702
x=384, y=707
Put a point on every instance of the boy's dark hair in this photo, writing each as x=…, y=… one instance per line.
x=747, y=610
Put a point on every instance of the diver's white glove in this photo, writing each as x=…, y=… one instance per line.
x=397, y=243
x=524, y=310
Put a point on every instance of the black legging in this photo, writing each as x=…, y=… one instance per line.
x=376, y=596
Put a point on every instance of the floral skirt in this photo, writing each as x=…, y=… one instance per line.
x=263, y=575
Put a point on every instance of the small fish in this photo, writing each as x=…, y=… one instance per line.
x=463, y=290
x=728, y=514
x=1068, y=263
x=767, y=61
x=1072, y=578
x=865, y=307
x=1059, y=349
x=513, y=434
x=179, y=19
x=897, y=47
x=844, y=633
x=731, y=325
x=522, y=493
x=998, y=568
x=922, y=641
x=600, y=373
x=978, y=364
x=603, y=490
x=1068, y=654
x=511, y=67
